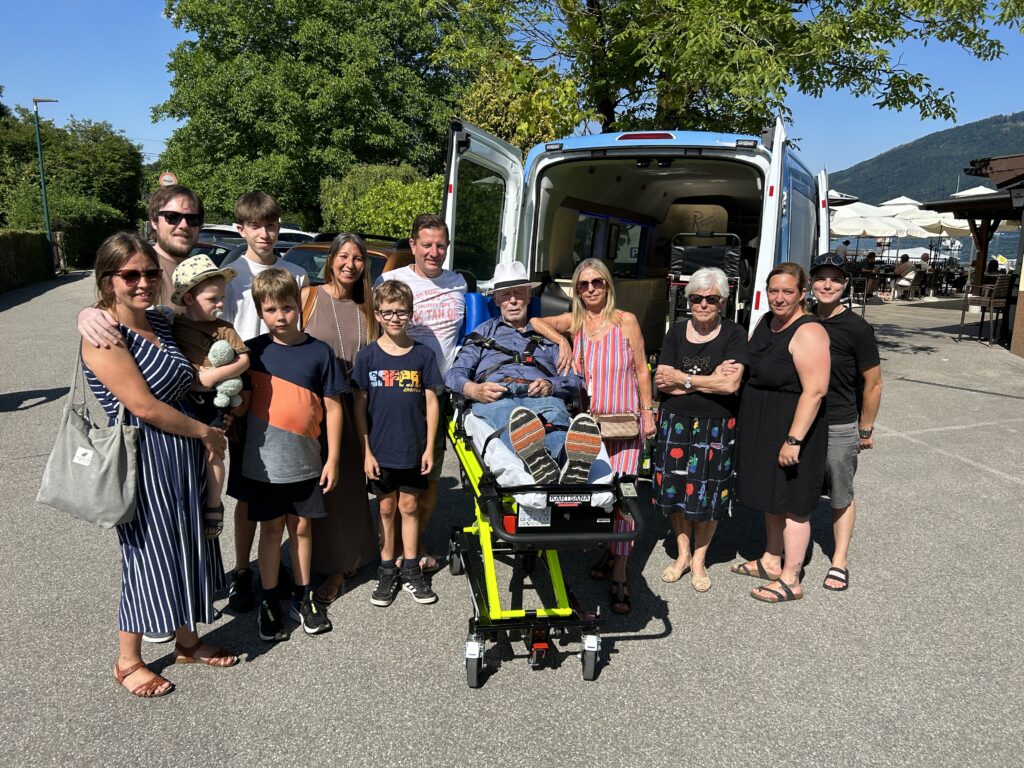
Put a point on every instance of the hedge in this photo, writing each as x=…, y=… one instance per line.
x=23, y=259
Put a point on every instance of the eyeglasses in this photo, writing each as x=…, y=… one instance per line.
x=712, y=301
x=132, y=277
x=829, y=260
x=390, y=314
x=174, y=218
x=598, y=284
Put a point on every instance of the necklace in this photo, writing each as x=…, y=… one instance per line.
x=595, y=331
x=341, y=342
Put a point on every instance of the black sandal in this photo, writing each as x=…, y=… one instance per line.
x=620, y=598
x=213, y=521
x=842, y=575
x=602, y=567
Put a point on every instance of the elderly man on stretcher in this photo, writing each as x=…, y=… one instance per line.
x=509, y=372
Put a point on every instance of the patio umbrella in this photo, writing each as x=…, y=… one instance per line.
x=875, y=226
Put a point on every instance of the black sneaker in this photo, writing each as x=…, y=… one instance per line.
x=311, y=616
x=387, y=587
x=417, y=586
x=240, y=596
x=271, y=627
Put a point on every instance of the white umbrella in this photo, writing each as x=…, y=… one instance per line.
x=875, y=226
x=979, y=190
x=902, y=200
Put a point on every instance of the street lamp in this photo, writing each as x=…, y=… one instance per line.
x=42, y=174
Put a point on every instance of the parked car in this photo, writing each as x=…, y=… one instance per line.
x=220, y=232
x=217, y=251
x=383, y=257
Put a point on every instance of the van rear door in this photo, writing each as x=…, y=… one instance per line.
x=823, y=217
x=771, y=216
x=482, y=201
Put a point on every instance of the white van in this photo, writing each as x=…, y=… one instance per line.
x=654, y=205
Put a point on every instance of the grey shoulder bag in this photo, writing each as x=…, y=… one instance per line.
x=91, y=471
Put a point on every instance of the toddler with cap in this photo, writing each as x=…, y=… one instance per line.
x=199, y=287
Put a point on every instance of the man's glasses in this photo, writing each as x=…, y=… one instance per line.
x=712, y=301
x=390, y=314
x=132, y=277
x=598, y=284
x=174, y=218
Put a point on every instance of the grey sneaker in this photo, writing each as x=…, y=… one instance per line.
x=417, y=586
x=387, y=587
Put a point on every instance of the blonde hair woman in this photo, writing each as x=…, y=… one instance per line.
x=607, y=350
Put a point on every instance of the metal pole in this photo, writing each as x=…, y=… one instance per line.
x=42, y=174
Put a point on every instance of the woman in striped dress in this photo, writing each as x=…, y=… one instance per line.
x=169, y=569
x=608, y=352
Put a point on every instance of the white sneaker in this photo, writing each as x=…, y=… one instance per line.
x=158, y=638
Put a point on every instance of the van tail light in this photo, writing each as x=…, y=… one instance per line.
x=652, y=135
x=757, y=300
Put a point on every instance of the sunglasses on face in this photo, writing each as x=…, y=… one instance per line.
x=390, y=314
x=174, y=218
x=598, y=284
x=712, y=301
x=132, y=277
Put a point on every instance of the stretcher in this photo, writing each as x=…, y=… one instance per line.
x=526, y=525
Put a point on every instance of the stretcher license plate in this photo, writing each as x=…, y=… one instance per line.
x=569, y=499
x=534, y=518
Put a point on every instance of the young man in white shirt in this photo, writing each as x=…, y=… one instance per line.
x=258, y=220
x=439, y=309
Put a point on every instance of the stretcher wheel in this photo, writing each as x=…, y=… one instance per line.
x=455, y=566
x=474, y=673
x=589, y=665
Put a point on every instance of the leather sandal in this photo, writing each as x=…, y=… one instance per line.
x=148, y=689
x=213, y=521
x=619, y=598
x=219, y=657
x=842, y=575
x=784, y=596
x=744, y=570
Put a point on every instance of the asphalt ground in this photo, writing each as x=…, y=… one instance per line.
x=919, y=663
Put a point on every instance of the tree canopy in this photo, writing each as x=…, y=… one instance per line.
x=279, y=95
x=704, y=64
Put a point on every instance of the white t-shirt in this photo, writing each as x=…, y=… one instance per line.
x=439, y=309
x=239, y=309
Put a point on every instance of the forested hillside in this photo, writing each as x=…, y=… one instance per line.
x=930, y=167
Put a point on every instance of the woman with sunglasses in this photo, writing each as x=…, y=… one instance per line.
x=856, y=366
x=780, y=462
x=169, y=569
x=608, y=351
x=698, y=375
x=340, y=313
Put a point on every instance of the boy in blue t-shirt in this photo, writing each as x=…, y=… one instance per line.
x=294, y=380
x=396, y=415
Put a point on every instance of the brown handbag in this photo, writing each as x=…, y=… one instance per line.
x=618, y=426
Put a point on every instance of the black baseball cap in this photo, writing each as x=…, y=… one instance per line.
x=830, y=260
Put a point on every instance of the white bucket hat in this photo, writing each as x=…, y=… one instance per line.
x=512, y=275
x=192, y=271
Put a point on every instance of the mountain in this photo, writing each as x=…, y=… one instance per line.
x=930, y=167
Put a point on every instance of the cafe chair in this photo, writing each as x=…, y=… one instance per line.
x=992, y=297
x=858, y=293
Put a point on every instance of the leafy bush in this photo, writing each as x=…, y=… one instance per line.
x=379, y=199
x=23, y=259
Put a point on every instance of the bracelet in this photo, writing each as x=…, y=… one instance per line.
x=647, y=408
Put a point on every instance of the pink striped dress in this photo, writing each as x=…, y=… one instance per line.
x=610, y=375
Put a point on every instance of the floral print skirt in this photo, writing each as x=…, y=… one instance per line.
x=693, y=466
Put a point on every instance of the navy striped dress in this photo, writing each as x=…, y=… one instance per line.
x=169, y=570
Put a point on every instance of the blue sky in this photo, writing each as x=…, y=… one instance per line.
x=107, y=60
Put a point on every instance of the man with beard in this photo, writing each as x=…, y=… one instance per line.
x=175, y=215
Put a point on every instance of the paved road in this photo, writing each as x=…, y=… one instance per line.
x=919, y=663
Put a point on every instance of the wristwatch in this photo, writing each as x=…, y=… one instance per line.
x=865, y=433
x=688, y=382
x=790, y=440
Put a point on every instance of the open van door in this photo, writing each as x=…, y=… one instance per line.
x=823, y=212
x=482, y=201
x=771, y=219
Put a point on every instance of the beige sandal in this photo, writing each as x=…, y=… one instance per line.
x=672, y=573
x=700, y=583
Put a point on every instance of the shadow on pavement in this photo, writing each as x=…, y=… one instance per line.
x=29, y=398
x=28, y=292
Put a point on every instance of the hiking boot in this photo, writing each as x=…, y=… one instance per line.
x=240, y=595
x=416, y=585
x=271, y=626
x=387, y=587
x=311, y=616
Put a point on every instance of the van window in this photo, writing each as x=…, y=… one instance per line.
x=478, y=213
x=617, y=242
x=803, y=220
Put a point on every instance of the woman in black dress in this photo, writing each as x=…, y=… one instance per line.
x=783, y=433
x=701, y=365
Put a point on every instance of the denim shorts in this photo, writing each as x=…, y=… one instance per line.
x=841, y=461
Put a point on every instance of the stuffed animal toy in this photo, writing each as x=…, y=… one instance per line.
x=227, y=396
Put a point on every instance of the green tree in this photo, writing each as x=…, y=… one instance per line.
x=705, y=64
x=279, y=95
x=5, y=111
x=379, y=199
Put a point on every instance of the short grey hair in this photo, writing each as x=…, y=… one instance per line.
x=706, y=278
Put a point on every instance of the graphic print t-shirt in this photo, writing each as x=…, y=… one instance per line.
x=439, y=308
x=288, y=383
x=395, y=387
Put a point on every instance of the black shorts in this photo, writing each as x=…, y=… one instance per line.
x=269, y=501
x=404, y=480
x=203, y=407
